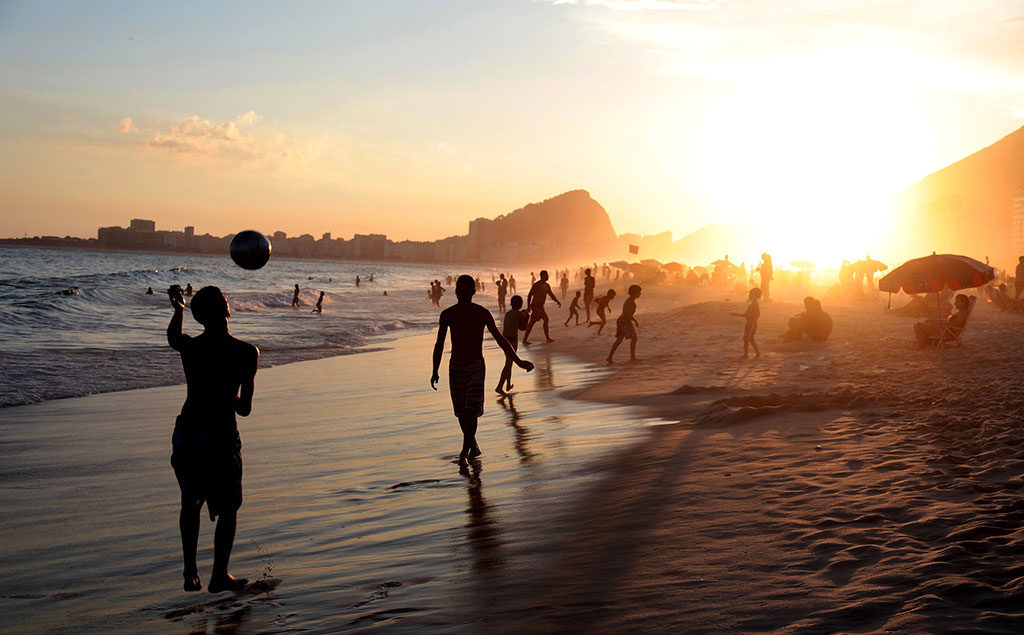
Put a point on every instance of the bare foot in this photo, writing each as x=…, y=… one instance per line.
x=510, y=387
x=744, y=356
x=475, y=452
x=550, y=340
x=499, y=391
x=634, y=359
x=609, y=361
x=525, y=343
x=227, y=582
x=192, y=581
x=463, y=461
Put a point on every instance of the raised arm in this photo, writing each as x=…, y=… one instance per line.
x=503, y=343
x=243, y=403
x=442, y=333
x=174, y=335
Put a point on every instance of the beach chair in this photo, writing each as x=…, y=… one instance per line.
x=950, y=336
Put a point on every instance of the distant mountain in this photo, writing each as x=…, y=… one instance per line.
x=572, y=215
x=966, y=207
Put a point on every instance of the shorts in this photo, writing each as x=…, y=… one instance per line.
x=208, y=466
x=466, y=385
x=537, y=314
x=749, y=330
x=625, y=329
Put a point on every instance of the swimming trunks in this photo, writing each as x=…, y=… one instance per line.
x=466, y=385
x=207, y=463
x=625, y=329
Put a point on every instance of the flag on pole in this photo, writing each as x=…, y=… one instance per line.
x=634, y=249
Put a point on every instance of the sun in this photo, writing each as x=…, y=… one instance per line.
x=811, y=168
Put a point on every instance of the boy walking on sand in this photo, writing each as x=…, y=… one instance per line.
x=207, y=459
x=750, y=327
x=467, y=321
x=514, y=321
x=625, y=327
x=574, y=309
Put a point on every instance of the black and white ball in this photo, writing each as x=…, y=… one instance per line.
x=250, y=249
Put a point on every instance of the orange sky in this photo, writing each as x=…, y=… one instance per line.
x=410, y=118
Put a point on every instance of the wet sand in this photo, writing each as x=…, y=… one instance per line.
x=853, y=485
x=355, y=515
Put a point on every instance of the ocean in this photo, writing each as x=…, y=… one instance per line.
x=78, y=322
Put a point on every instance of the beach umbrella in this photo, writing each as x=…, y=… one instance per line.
x=931, y=274
x=803, y=265
x=619, y=264
x=868, y=266
x=675, y=267
x=720, y=262
x=651, y=262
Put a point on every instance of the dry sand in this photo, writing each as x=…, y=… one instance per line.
x=854, y=485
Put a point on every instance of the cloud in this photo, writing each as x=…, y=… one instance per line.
x=241, y=143
x=647, y=5
x=127, y=125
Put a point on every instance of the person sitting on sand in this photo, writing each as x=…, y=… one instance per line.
x=752, y=313
x=920, y=306
x=295, y=297
x=467, y=321
x=515, y=320
x=600, y=307
x=539, y=293
x=574, y=309
x=813, y=321
x=929, y=330
x=207, y=460
x=1002, y=299
x=319, y=304
x=625, y=327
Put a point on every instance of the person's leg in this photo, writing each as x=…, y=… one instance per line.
x=505, y=376
x=586, y=305
x=753, y=344
x=546, y=336
x=468, y=423
x=746, y=347
x=615, y=345
x=529, y=327
x=632, y=349
x=601, y=324
x=223, y=540
x=188, y=524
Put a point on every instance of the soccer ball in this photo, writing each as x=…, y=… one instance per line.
x=250, y=249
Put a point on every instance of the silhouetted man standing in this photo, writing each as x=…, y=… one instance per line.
x=466, y=371
x=539, y=293
x=588, y=291
x=207, y=455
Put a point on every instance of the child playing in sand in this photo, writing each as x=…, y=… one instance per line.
x=750, y=328
x=574, y=309
x=467, y=321
x=601, y=306
x=515, y=321
x=207, y=459
x=625, y=327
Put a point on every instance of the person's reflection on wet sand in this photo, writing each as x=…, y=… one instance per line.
x=482, y=532
x=522, y=434
x=545, y=376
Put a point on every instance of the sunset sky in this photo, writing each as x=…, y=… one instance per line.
x=410, y=118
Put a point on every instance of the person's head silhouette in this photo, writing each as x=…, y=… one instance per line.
x=465, y=288
x=210, y=307
x=543, y=275
x=517, y=302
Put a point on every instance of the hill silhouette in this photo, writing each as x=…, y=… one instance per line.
x=966, y=207
x=573, y=215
